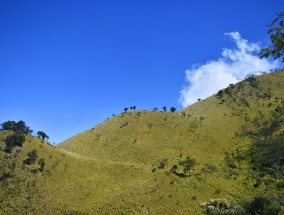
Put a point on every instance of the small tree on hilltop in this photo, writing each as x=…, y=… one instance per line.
x=134, y=107
x=42, y=135
x=22, y=127
x=173, y=109
x=16, y=126
x=125, y=109
x=165, y=108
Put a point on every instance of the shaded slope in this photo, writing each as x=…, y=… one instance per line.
x=67, y=183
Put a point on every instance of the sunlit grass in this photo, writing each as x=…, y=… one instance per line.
x=113, y=168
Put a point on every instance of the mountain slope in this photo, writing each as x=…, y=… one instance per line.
x=152, y=162
x=209, y=131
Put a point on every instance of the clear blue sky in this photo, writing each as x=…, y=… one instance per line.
x=66, y=65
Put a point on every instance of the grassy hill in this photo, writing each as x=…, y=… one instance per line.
x=229, y=146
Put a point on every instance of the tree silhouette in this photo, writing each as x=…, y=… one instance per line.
x=9, y=125
x=173, y=109
x=165, y=108
x=16, y=126
x=125, y=109
x=22, y=127
x=42, y=135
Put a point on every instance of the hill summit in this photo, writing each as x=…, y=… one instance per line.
x=221, y=155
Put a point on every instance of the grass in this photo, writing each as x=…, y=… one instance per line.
x=113, y=167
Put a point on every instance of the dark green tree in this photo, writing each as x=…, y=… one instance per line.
x=173, y=109
x=32, y=156
x=9, y=125
x=42, y=135
x=276, y=34
x=262, y=206
x=16, y=126
x=22, y=127
x=220, y=93
x=125, y=109
x=187, y=164
x=165, y=108
x=13, y=140
x=134, y=107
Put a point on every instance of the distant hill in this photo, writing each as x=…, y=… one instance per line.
x=229, y=146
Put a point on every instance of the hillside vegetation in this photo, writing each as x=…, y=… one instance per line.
x=229, y=147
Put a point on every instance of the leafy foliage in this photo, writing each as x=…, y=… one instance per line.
x=187, y=164
x=262, y=206
x=173, y=109
x=32, y=156
x=221, y=207
x=267, y=153
x=42, y=135
x=13, y=140
x=276, y=49
x=16, y=126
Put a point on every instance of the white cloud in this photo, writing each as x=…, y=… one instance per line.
x=203, y=80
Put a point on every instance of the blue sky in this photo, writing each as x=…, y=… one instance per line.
x=67, y=65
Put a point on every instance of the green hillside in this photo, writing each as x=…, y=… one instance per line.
x=229, y=146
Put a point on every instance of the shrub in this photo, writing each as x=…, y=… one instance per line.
x=221, y=206
x=32, y=156
x=262, y=206
x=163, y=164
x=220, y=93
x=187, y=165
x=13, y=140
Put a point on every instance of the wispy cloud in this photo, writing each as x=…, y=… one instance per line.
x=203, y=80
